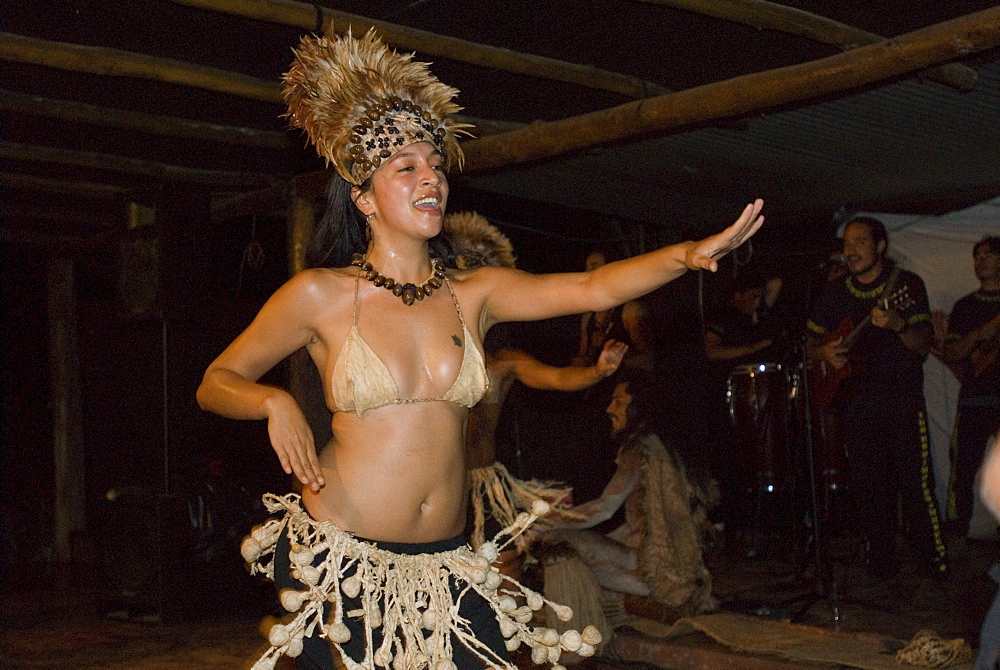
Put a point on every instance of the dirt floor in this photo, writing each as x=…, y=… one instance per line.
x=81, y=626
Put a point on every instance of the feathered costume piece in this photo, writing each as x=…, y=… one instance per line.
x=477, y=242
x=360, y=102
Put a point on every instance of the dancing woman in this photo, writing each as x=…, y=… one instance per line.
x=496, y=497
x=375, y=562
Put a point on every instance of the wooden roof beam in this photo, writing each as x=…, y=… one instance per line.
x=740, y=95
x=763, y=14
x=171, y=126
x=157, y=171
x=85, y=189
x=118, y=63
x=114, y=62
x=302, y=15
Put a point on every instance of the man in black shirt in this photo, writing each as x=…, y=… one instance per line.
x=871, y=333
x=973, y=342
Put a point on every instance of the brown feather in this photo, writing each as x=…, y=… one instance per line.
x=477, y=242
x=332, y=82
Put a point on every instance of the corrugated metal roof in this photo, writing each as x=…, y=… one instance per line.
x=909, y=140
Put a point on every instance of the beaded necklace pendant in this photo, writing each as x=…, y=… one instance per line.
x=409, y=293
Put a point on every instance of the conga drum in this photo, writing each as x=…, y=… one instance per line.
x=757, y=395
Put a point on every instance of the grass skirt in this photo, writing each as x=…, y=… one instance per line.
x=409, y=596
x=495, y=493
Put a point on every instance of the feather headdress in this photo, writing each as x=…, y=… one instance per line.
x=360, y=102
x=477, y=242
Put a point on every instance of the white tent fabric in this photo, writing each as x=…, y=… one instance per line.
x=939, y=249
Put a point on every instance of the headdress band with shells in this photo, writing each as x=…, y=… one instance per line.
x=360, y=102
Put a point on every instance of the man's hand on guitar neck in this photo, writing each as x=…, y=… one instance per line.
x=917, y=339
x=889, y=319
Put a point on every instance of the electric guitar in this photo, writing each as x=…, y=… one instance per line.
x=824, y=380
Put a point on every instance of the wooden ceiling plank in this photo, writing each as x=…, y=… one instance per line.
x=171, y=126
x=782, y=18
x=302, y=15
x=25, y=182
x=740, y=95
x=49, y=214
x=157, y=171
x=118, y=63
x=49, y=240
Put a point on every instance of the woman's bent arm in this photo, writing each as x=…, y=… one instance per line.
x=230, y=386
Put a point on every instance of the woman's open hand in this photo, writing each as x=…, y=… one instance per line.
x=612, y=355
x=704, y=255
x=292, y=439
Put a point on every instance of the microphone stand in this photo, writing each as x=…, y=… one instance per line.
x=825, y=579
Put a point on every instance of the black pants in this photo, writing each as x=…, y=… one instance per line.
x=890, y=464
x=317, y=653
x=974, y=426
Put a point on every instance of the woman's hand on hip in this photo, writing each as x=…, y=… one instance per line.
x=292, y=440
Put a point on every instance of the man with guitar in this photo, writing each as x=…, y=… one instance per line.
x=973, y=343
x=871, y=332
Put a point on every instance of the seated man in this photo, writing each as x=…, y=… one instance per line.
x=656, y=553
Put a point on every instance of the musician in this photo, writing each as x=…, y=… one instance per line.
x=741, y=333
x=878, y=370
x=972, y=342
x=744, y=332
x=657, y=551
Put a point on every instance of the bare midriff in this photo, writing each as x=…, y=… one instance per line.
x=395, y=474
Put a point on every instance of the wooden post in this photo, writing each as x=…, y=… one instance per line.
x=301, y=223
x=64, y=377
x=303, y=381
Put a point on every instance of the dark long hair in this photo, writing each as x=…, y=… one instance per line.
x=644, y=412
x=340, y=232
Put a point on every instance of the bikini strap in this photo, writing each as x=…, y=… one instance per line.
x=357, y=285
x=455, y=300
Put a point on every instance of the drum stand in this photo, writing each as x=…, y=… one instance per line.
x=826, y=586
x=757, y=395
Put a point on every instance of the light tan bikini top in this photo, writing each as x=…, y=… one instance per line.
x=361, y=381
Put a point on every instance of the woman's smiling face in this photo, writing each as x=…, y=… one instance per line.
x=409, y=190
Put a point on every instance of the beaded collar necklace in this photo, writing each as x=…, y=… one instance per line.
x=408, y=293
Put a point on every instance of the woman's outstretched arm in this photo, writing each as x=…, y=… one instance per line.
x=511, y=295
